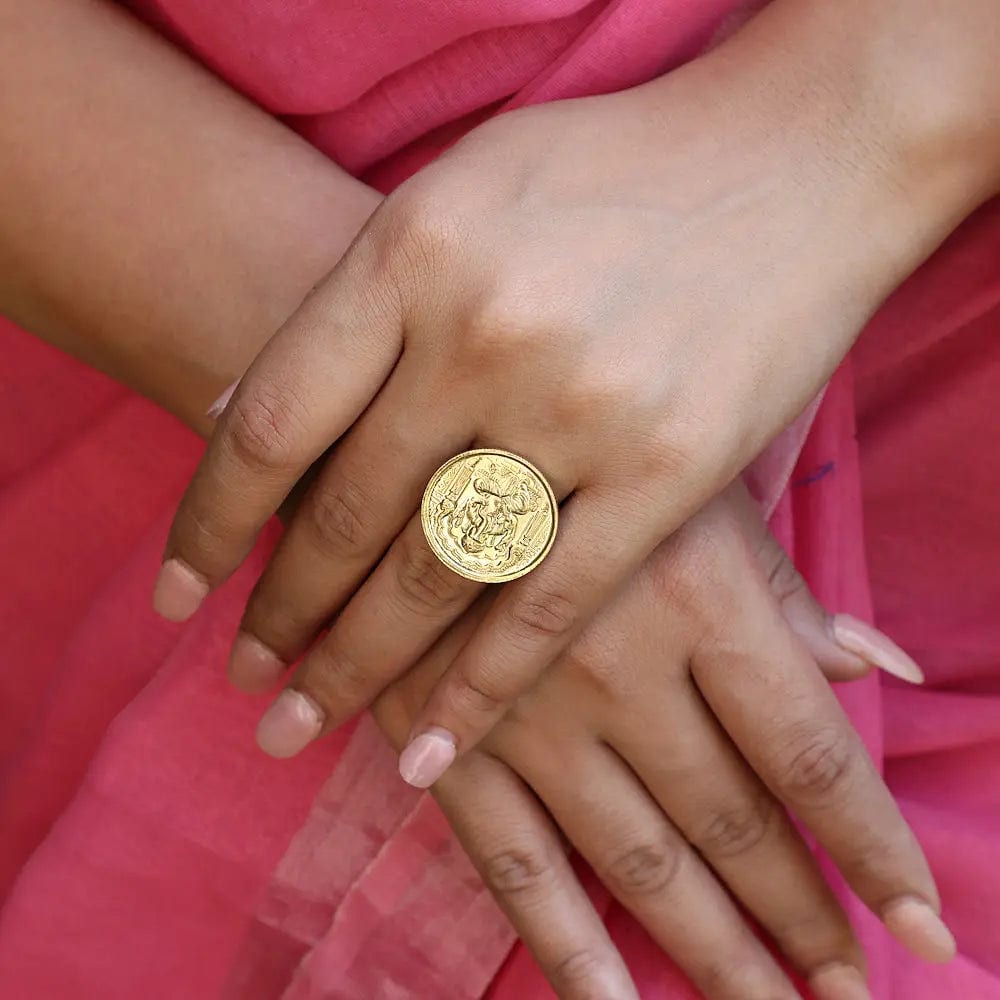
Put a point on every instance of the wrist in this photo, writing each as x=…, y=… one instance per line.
x=928, y=89
x=889, y=109
x=905, y=93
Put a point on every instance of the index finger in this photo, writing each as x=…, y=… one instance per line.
x=306, y=387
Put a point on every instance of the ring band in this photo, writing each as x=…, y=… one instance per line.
x=489, y=515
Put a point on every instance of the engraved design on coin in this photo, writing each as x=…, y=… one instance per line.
x=489, y=515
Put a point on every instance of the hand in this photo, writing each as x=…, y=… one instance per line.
x=635, y=292
x=664, y=744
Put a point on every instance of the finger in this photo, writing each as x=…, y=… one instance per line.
x=597, y=801
x=737, y=826
x=844, y=647
x=787, y=723
x=400, y=611
x=396, y=616
x=517, y=850
x=306, y=387
x=530, y=623
x=362, y=498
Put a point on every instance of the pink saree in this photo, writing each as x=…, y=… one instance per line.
x=148, y=850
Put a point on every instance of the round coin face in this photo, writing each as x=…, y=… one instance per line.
x=489, y=515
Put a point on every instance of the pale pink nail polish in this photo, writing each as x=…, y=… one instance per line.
x=918, y=928
x=254, y=667
x=427, y=757
x=292, y=722
x=866, y=641
x=839, y=982
x=178, y=591
x=215, y=410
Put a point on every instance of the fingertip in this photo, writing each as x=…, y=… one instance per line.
x=427, y=756
x=178, y=591
x=253, y=666
x=868, y=642
x=916, y=926
x=291, y=723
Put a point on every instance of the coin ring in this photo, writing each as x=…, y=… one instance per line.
x=442, y=553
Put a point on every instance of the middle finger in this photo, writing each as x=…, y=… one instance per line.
x=640, y=856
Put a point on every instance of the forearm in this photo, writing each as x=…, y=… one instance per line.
x=891, y=108
x=919, y=81
x=152, y=221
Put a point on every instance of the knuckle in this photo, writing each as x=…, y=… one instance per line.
x=698, y=574
x=543, y=613
x=263, y=423
x=517, y=871
x=782, y=576
x=476, y=694
x=816, y=766
x=340, y=517
x=419, y=233
x=736, y=829
x=645, y=868
x=426, y=585
x=500, y=325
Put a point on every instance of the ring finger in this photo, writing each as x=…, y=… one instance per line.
x=401, y=609
x=741, y=831
x=641, y=857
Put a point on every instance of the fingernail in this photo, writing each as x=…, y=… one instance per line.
x=839, y=982
x=427, y=757
x=864, y=640
x=178, y=591
x=291, y=723
x=254, y=667
x=215, y=410
x=918, y=928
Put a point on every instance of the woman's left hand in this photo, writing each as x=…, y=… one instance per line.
x=665, y=744
x=636, y=292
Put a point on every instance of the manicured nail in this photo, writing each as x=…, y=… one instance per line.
x=178, y=591
x=215, y=410
x=254, y=667
x=291, y=723
x=427, y=757
x=839, y=982
x=864, y=640
x=917, y=927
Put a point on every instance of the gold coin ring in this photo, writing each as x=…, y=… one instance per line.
x=489, y=515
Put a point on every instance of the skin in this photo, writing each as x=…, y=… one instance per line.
x=601, y=286
x=643, y=742
x=181, y=329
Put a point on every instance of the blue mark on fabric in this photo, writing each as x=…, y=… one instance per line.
x=815, y=474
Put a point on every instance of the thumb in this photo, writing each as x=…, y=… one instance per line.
x=845, y=647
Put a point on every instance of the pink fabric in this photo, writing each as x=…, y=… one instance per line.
x=148, y=850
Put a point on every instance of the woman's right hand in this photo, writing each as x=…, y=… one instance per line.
x=665, y=745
